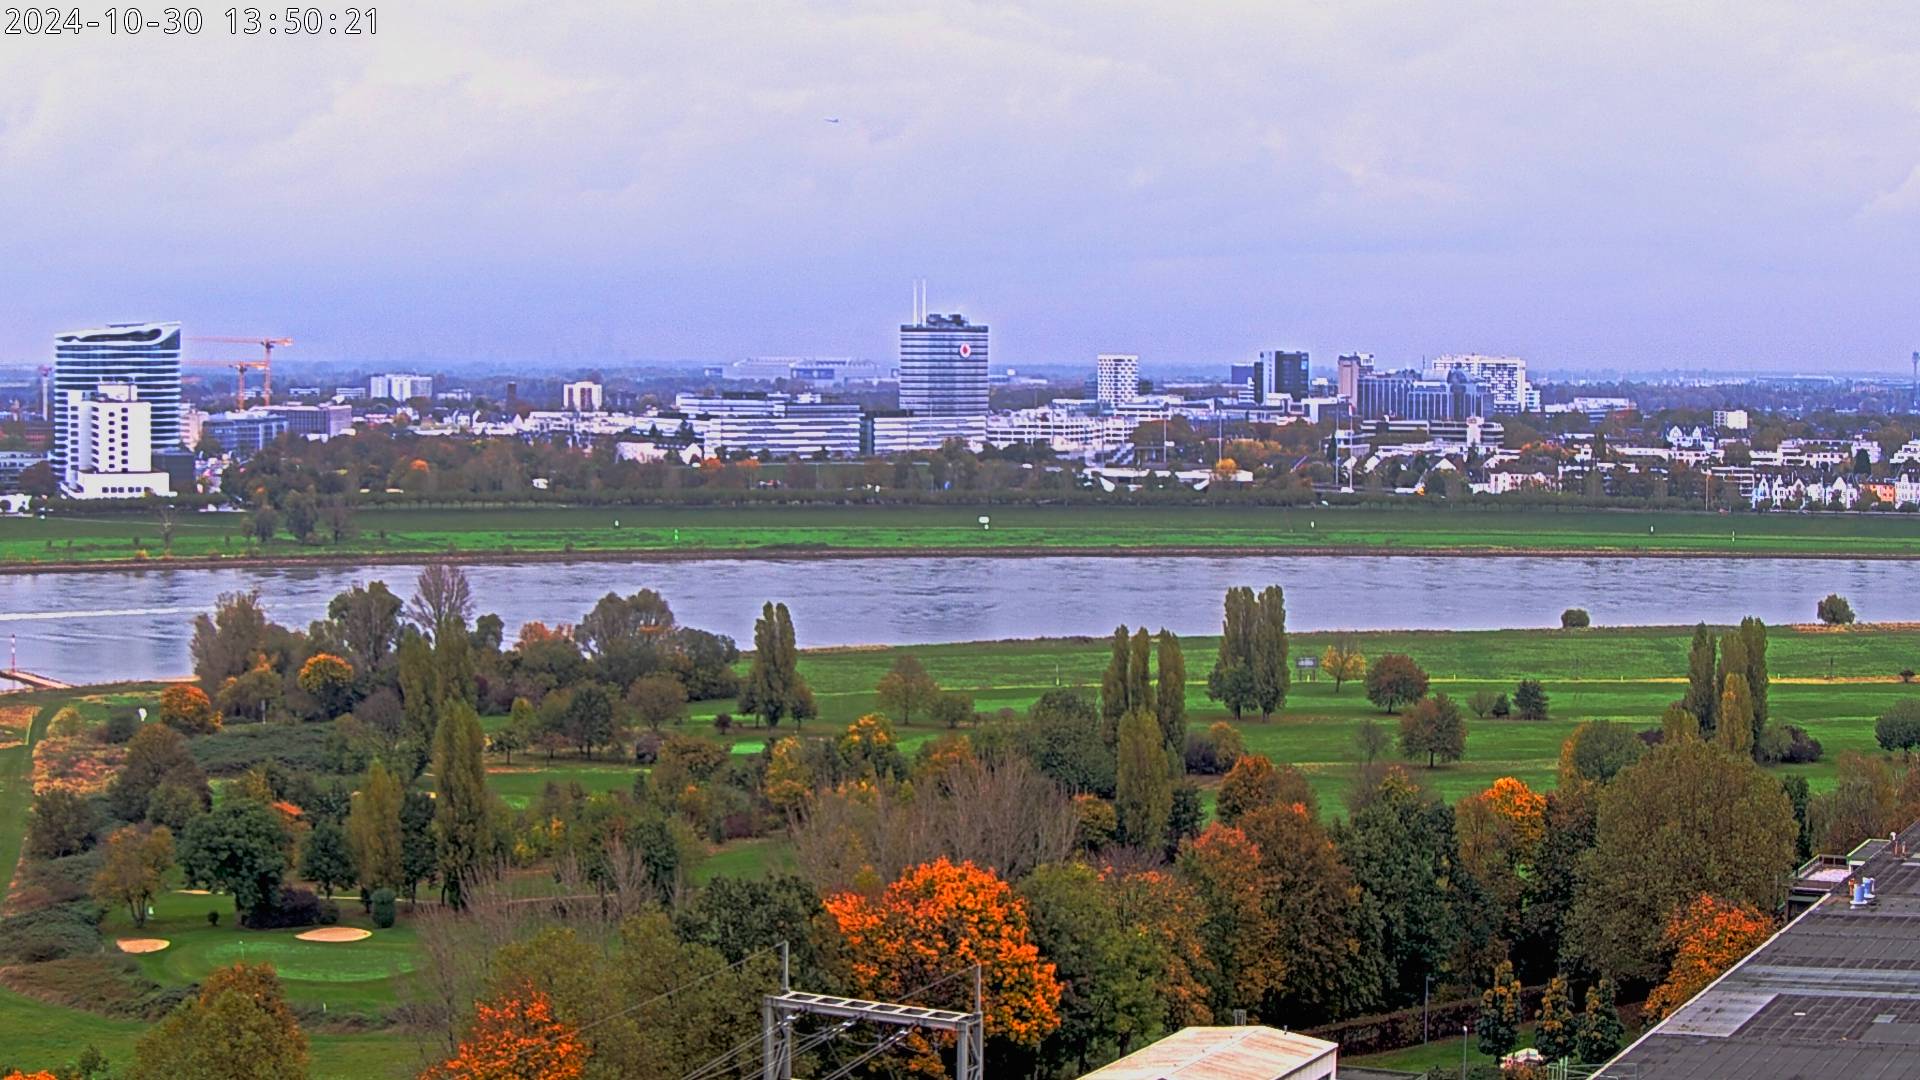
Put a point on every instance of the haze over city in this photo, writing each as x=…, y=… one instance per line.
x=1707, y=185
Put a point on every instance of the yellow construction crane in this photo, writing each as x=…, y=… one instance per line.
x=265, y=364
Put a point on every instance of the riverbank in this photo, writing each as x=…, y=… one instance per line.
x=664, y=534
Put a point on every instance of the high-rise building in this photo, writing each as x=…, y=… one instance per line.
x=401, y=388
x=1117, y=378
x=145, y=356
x=110, y=445
x=1505, y=376
x=1351, y=366
x=943, y=366
x=1286, y=373
x=583, y=396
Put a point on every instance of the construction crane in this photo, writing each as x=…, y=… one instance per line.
x=265, y=364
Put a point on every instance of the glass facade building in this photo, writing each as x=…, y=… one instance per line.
x=943, y=367
x=143, y=355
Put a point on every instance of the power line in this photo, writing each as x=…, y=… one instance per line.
x=683, y=986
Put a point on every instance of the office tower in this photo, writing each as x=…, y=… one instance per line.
x=1118, y=378
x=943, y=364
x=145, y=356
x=1351, y=366
x=584, y=396
x=1505, y=376
x=401, y=388
x=110, y=445
x=1286, y=373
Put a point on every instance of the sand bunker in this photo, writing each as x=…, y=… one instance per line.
x=194, y=892
x=142, y=944
x=335, y=933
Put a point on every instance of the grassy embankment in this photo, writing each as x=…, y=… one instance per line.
x=661, y=531
x=1626, y=674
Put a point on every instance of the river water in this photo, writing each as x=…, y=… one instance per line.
x=96, y=627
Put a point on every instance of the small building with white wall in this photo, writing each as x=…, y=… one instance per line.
x=1249, y=1052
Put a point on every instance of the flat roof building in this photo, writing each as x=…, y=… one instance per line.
x=943, y=366
x=145, y=356
x=1249, y=1052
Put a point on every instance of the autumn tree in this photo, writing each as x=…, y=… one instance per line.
x=463, y=805
x=1143, y=782
x=1342, y=663
x=1255, y=781
x=906, y=688
x=239, y=1027
x=187, y=709
x=1395, y=680
x=1329, y=943
x=789, y=779
x=1223, y=867
x=1170, y=696
x=1734, y=733
x=1685, y=819
x=942, y=916
x=135, y=869
x=1434, y=727
x=514, y=1036
x=1555, y=1034
x=1706, y=937
x=373, y=830
x=1601, y=1035
x=1497, y=1023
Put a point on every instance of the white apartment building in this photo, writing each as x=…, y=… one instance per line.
x=1117, y=379
x=110, y=437
x=1730, y=419
x=583, y=396
x=1506, y=376
x=400, y=387
x=1066, y=431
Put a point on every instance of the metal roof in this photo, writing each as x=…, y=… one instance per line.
x=1219, y=1053
x=1836, y=993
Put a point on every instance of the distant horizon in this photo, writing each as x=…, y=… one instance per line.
x=1710, y=187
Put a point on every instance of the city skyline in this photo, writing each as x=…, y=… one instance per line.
x=1717, y=187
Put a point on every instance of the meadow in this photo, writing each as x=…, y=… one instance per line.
x=1832, y=682
x=668, y=530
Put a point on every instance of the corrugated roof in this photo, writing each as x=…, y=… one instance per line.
x=1219, y=1053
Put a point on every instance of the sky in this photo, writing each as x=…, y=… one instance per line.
x=570, y=184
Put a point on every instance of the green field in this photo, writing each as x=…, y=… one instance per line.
x=1834, y=683
x=502, y=530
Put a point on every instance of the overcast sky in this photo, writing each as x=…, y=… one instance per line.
x=1707, y=184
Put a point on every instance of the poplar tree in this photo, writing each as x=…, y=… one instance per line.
x=1143, y=784
x=1113, y=683
x=1139, y=673
x=1170, y=699
x=774, y=688
x=1231, y=680
x=1268, y=659
x=1735, y=732
x=373, y=830
x=1753, y=635
x=1703, y=690
x=460, y=810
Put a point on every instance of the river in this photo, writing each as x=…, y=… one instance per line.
x=112, y=625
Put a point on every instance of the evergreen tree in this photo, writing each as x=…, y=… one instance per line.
x=1703, y=689
x=1736, y=716
x=1601, y=1033
x=1113, y=683
x=1530, y=700
x=1498, y=1021
x=461, y=807
x=373, y=830
x=1231, y=680
x=1271, y=676
x=325, y=860
x=1143, y=783
x=1558, y=1033
x=1170, y=699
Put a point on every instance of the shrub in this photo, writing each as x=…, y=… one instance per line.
x=1906, y=674
x=1575, y=619
x=1899, y=727
x=213, y=917
x=1501, y=707
x=233, y=750
x=383, y=908
x=52, y=933
x=1212, y=752
x=119, y=727
x=291, y=907
x=723, y=722
x=1787, y=744
x=646, y=748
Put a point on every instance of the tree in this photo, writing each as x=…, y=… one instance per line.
x=1223, y=867
x=1864, y=803
x=1685, y=819
x=587, y=717
x=325, y=859
x=187, y=709
x=135, y=869
x=61, y=823
x=238, y=1028
x=373, y=829
x=1371, y=740
x=1327, y=942
x=1434, y=727
x=1254, y=782
x=1530, y=699
x=906, y=688
x=1271, y=674
x=951, y=709
x=1707, y=937
x=789, y=780
x=657, y=699
x=627, y=635
x=1114, y=681
x=1834, y=610
x=1143, y=782
x=939, y=917
x=442, y=599
x=1394, y=681
x=238, y=847
x=1063, y=737
x=1170, y=696
x=1735, y=731
x=225, y=644
x=515, y=1036
x=1342, y=663
x=774, y=688
x=1555, y=1035
x=1678, y=725
x=1232, y=681
x=737, y=917
x=156, y=755
x=1601, y=1034
x=1703, y=686
x=1400, y=843
x=266, y=522
x=462, y=808
x=1753, y=635
x=1899, y=727
x=330, y=680
x=1575, y=619
x=1597, y=750
x=1139, y=673
x=1498, y=1022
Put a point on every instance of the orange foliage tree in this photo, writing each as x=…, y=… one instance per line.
x=515, y=1037
x=1169, y=911
x=1223, y=867
x=1707, y=937
x=187, y=709
x=938, y=919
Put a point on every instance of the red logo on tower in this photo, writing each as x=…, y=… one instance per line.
x=965, y=349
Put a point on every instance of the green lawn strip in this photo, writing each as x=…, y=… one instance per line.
x=586, y=530
x=16, y=793
x=1441, y=1052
